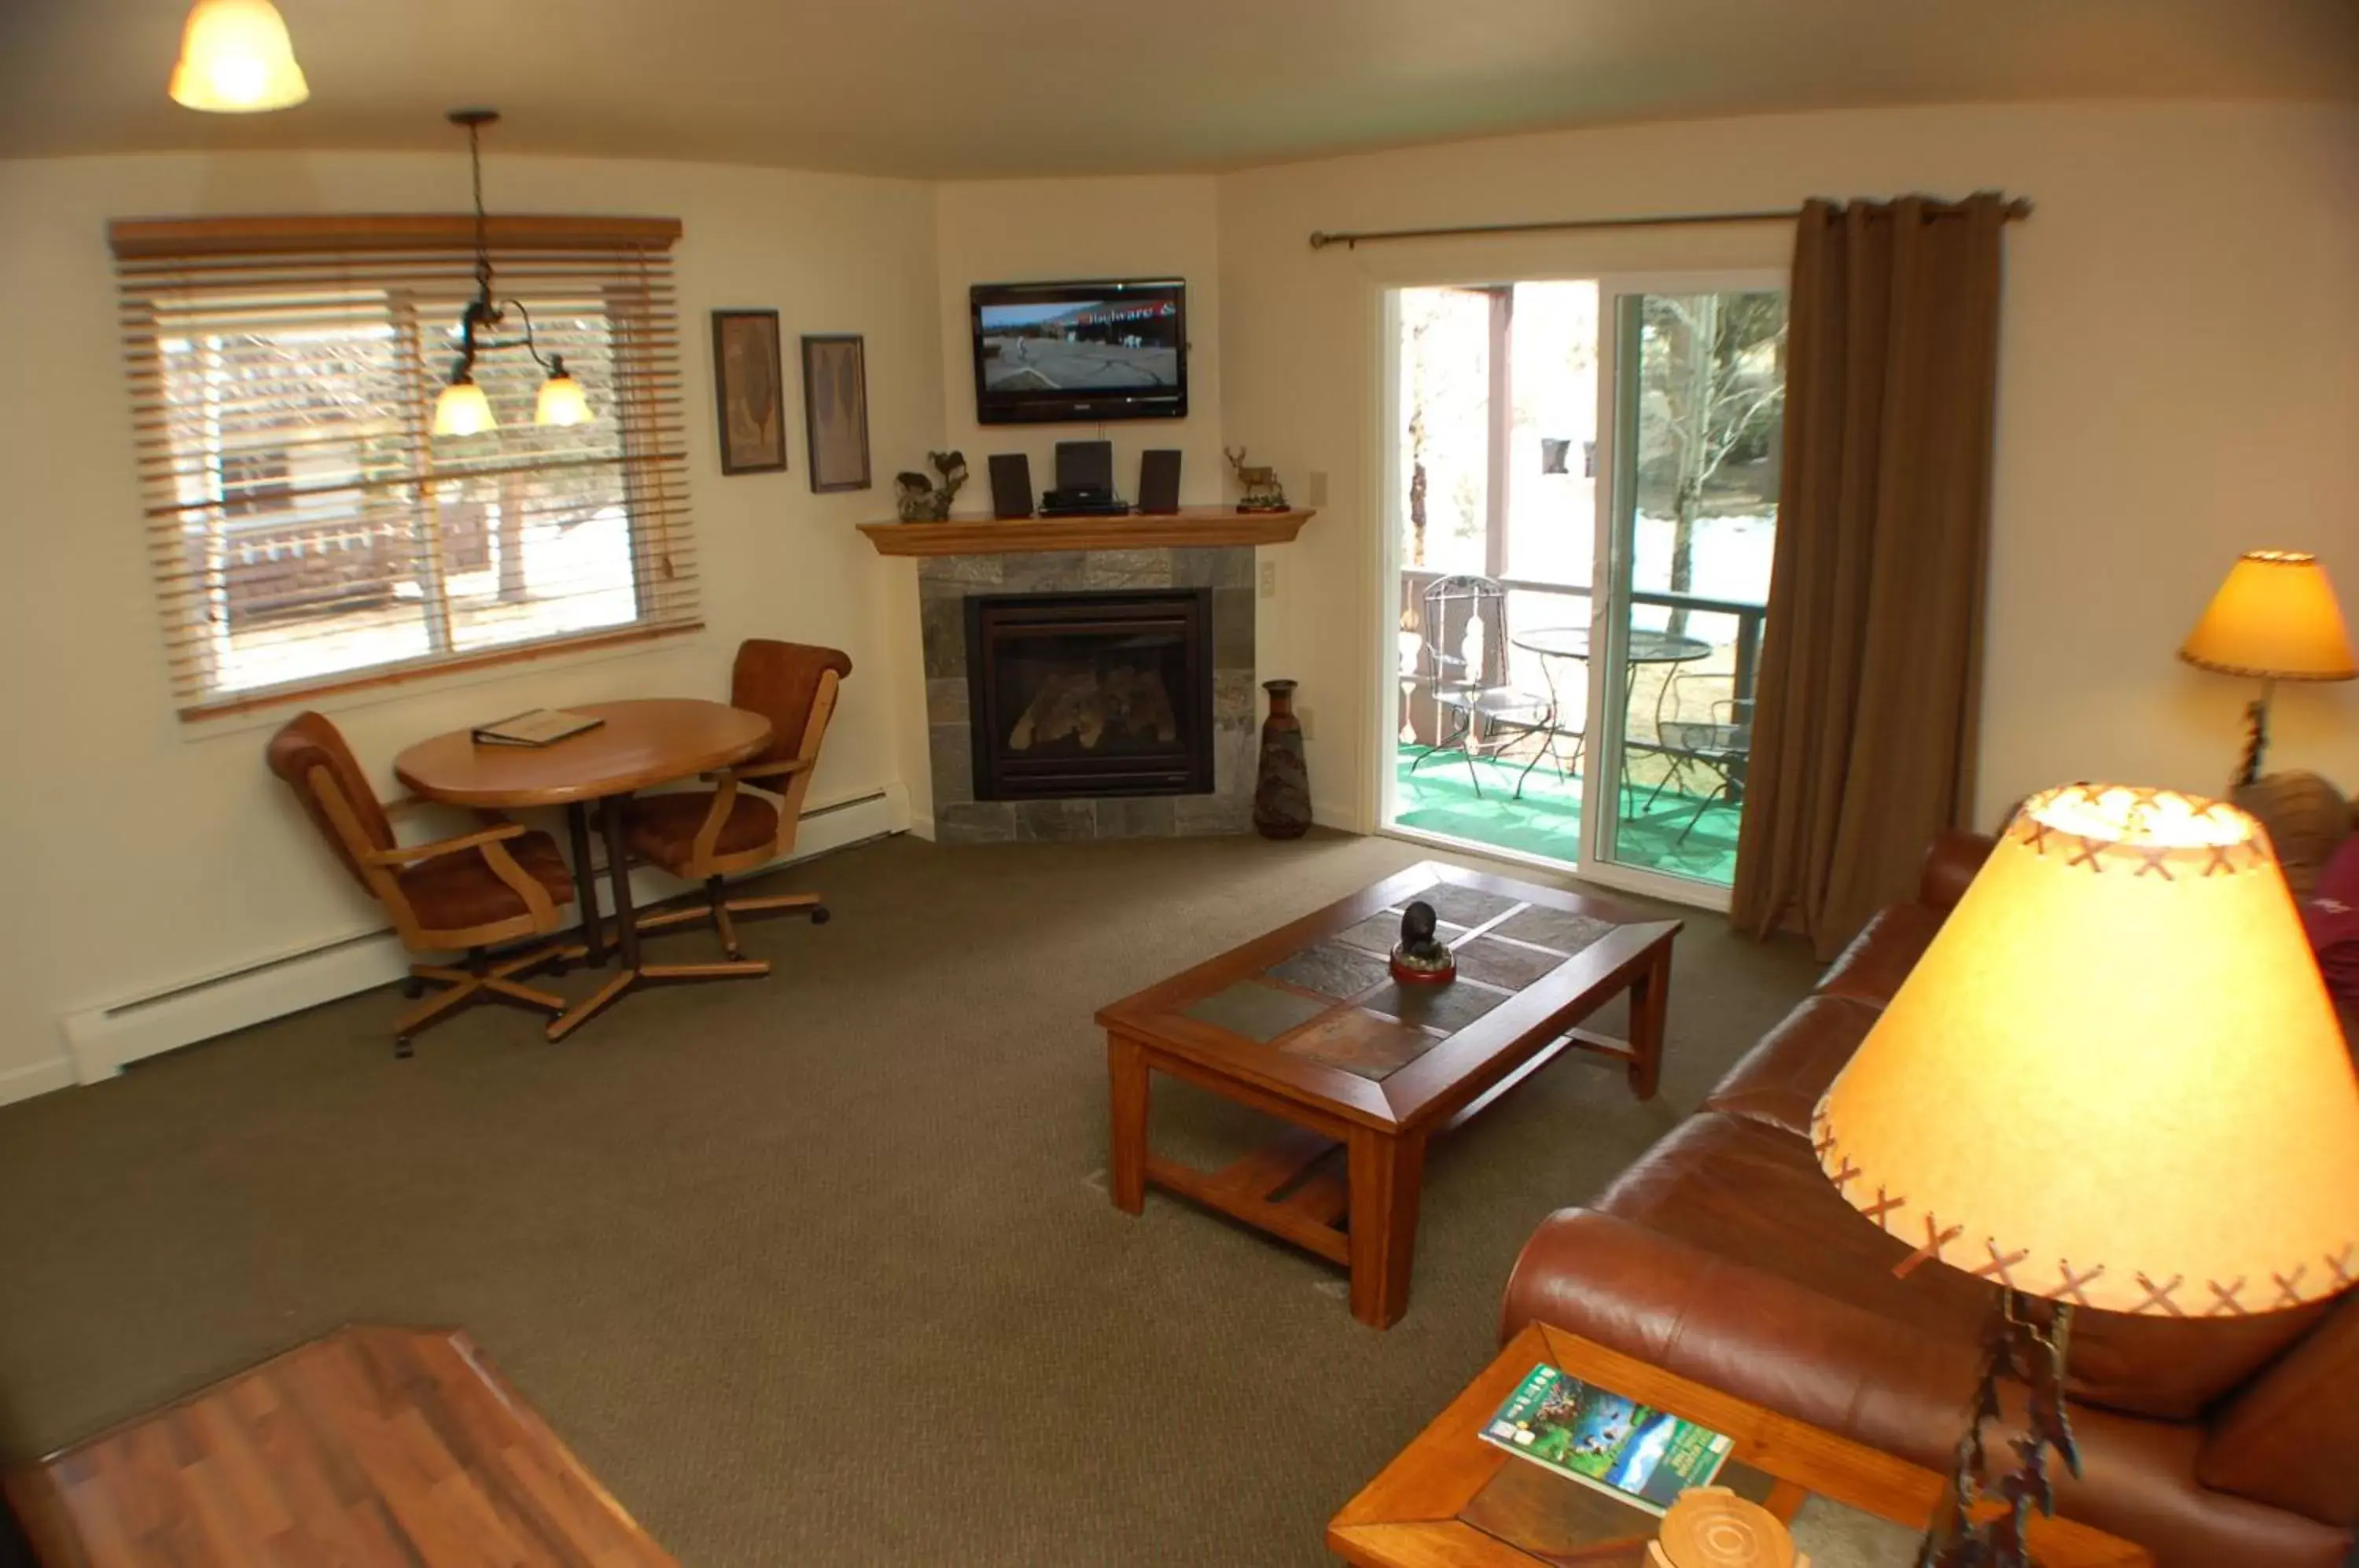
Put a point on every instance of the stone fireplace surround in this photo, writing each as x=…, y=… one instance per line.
x=944, y=584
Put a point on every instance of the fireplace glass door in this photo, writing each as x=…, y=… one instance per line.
x=1076, y=695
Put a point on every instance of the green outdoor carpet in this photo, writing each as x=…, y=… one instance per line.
x=1439, y=797
x=821, y=1270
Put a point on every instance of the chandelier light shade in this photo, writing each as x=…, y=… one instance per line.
x=462, y=410
x=561, y=399
x=2115, y=1079
x=236, y=59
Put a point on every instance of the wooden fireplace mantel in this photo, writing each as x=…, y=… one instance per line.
x=1198, y=527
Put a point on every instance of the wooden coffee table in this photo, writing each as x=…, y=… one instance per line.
x=1306, y=1025
x=1449, y=1498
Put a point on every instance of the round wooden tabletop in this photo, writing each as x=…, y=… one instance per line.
x=647, y=741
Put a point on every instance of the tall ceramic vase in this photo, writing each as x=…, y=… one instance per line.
x=1282, y=792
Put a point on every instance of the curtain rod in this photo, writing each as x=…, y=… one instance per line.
x=2016, y=210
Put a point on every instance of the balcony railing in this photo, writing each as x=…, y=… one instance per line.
x=1749, y=617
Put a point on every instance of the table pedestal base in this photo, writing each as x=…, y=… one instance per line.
x=623, y=980
x=626, y=921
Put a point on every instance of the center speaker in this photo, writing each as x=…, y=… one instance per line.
x=1086, y=467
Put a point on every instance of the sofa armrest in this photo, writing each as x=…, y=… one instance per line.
x=1951, y=862
x=2290, y=1437
x=1755, y=1335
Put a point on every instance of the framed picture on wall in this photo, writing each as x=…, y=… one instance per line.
x=749, y=391
x=835, y=411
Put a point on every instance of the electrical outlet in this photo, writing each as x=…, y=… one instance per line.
x=1318, y=488
x=1269, y=579
x=1309, y=724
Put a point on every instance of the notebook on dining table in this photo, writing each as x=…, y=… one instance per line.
x=535, y=727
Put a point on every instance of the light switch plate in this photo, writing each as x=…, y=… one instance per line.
x=1269, y=579
x=1317, y=489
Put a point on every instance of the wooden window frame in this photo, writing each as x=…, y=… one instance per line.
x=641, y=313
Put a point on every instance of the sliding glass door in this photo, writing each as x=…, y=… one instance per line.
x=1495, y=444
x=1583, y=483
x=1697, y=403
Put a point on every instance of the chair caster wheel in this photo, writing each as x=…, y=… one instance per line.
x=402, y=1049
x=820, y=916
x=413, y=988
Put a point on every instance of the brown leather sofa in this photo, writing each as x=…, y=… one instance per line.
x=1726, y=1256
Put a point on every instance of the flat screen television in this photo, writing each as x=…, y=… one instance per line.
x=1078, y=352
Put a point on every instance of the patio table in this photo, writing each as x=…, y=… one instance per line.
x=1552, y=643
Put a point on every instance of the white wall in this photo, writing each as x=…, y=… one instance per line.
x=2179, y=381
x=142, y=853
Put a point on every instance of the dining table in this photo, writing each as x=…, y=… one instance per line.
x=636, y=744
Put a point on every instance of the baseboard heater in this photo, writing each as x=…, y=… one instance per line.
x=102, y=1040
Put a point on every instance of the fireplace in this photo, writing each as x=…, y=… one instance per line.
x=1091, y=694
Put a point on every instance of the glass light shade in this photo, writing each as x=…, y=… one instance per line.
x=2115, y=1078
x=561, y=402
x=462, y=410
x=236, y=59
x=2274, y=617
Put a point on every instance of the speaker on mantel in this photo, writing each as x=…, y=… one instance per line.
x=1085, y=465
x=1158, y=479
x=1011, y=484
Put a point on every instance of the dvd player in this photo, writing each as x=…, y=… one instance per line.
x=1083, y=501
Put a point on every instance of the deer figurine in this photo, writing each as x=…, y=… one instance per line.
x=1262, y=491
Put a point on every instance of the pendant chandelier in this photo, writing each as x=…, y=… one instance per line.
x=235, y=58
x=461, y=409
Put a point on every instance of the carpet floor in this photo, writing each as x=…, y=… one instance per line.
x=821, y=1270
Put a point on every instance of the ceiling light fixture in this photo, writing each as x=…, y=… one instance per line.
x=461, y=409
x=236, y=59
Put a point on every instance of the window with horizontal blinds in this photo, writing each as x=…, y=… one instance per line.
x=306, y=529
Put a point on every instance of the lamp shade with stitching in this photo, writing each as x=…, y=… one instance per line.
x=236, y=59
x=2275, y=616
x=2114, y=1079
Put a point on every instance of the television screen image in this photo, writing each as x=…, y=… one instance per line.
x=1087, y=345
x=1106, y=351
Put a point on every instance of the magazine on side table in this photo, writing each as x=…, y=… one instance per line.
x=1643, y=1457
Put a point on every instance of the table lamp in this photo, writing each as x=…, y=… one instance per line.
x=2113, y=1081
x=2274, y=620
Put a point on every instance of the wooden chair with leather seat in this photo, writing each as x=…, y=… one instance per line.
x=706, y=835
x=470, y=893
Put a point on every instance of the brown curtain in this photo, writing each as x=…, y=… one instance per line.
x=1870, y=680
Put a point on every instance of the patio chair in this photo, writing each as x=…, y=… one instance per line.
x=1464, y=670
x=1719, y=746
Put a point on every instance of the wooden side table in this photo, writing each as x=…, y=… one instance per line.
x=373, y=1448
x=1451, y=1501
